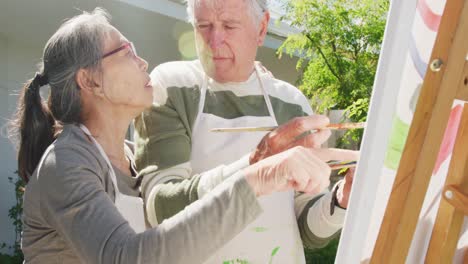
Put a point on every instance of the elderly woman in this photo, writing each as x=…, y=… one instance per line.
x=82, y=202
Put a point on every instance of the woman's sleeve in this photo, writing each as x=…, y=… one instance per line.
x=73, y=201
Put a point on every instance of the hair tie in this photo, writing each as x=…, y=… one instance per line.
x=40, y=79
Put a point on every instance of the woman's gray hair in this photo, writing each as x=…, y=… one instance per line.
x=77, y=44
x=257, y=9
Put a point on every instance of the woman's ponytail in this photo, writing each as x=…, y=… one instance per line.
x=35, y=126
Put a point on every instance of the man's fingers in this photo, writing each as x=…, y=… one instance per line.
x=285, y=134
x=350, y=174
x=336, y=154
x=313, y=140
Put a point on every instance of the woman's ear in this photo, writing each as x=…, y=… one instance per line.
x=263, y=28
x=88, y=82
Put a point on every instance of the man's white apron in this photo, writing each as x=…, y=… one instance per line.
x=273, y=237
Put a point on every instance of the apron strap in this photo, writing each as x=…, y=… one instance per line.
x=265, y=93
x=204, y=89
x=201, y=103
x=106, y=158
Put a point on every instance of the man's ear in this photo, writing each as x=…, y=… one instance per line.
x=88, y=83
x=263, y=28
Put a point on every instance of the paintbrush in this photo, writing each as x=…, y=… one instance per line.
x=338, y=126
x=336, y=165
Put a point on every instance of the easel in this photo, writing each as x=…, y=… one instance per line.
x=445, y=80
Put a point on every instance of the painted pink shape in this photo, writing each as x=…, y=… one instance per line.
x=449, y=137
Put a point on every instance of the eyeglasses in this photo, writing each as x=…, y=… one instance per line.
x=128, y=45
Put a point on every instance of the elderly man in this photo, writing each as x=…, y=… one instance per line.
x=227, y=88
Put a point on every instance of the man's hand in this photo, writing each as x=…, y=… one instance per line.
x=344, y=189
x=465, y=258
x=286, y=136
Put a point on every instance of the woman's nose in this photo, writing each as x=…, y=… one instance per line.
x=143, y=63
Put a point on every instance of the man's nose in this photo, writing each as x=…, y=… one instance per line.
x=217, y=38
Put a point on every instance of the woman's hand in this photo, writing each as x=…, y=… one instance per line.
x=297, y=168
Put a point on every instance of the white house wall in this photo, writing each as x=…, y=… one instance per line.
x=6, y=154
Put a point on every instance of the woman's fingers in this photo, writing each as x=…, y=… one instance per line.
x=310, y=171
x=314, y=171
x=303, y=169
x=336, y=154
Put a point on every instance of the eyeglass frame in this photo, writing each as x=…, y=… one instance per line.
x=124, y=46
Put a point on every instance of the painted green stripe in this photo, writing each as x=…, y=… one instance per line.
x=396, y=144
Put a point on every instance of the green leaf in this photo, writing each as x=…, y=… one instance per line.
x=275, y=250
x=339, y=47
x=259, y=229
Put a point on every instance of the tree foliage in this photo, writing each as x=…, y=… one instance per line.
x=15, y=213
x=338, y=46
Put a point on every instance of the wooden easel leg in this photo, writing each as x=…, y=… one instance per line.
x=439, y=90
x=451, y=211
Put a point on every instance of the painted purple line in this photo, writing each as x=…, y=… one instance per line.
x=418, y=62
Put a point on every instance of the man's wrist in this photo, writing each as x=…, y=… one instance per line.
x=334, y=199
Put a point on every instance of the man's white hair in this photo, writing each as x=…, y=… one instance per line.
x=257, y=9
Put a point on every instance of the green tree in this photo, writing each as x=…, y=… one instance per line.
x=339, y=46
